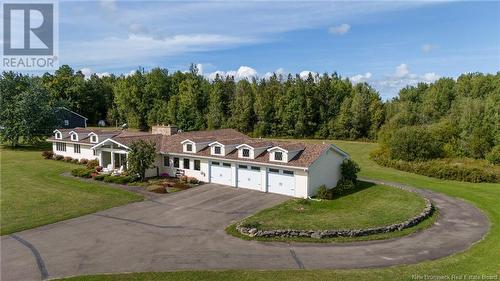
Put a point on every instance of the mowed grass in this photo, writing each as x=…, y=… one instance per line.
x=34, y=193
x=368, y=206
x=480, y=261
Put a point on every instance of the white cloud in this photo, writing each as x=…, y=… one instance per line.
x=304, y=74
x=279, y=72
x=243, y=72
x=360, y=78
x=401, y=70
x=402, y=76
x=340, y=29
x=426, y=48
x=137, y=28
x=430, y=77
x=87, y=72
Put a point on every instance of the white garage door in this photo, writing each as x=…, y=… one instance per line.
x=281, y=182
x=249, y=177
x=220, y=173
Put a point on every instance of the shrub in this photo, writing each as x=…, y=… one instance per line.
x=303, y=201
x=349, y=170
x=344, y=186
x=323, y=193
x=193, y=180
x=494, y=155
x=82, y=172
x=92, y=164
x=159, y=189
x=68, y=159
x=83, y=161
x=58, y=157
x=180, y=185
x=118, y=179
x=414, y=143
x=48, y=154
x=183, y=178
x=100, y=177
x=468, y=170
x=98, y=168
x=75, y=161
x=250, y=224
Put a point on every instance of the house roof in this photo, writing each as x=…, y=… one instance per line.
x=172, y=144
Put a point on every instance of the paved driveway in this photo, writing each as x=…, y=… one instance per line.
x=186, y=231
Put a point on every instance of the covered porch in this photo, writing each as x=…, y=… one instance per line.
x=112, y=156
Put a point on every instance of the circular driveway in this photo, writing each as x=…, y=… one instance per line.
x=185, y=231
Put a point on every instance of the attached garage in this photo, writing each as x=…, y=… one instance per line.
x=281, y=181
x=249, y=177
x=220, y=172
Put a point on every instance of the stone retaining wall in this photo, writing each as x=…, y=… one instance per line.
x=254, y=232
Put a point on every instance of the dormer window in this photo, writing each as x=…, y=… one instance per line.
x=189, y=147
x=217, y=150
x=74, y=137
x=58, y=135
x=278, y=156
x=245, y=152
x=93, y=138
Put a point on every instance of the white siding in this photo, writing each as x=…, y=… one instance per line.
x=85, y=151
x=325, y=170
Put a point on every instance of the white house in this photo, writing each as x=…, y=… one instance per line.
x=220, y=156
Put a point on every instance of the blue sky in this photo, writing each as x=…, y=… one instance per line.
x=388, y=44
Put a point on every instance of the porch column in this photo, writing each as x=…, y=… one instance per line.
x=112, y=158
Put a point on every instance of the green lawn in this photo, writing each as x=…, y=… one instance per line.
x=482, y=258
x=369, y=206
x=33, y=192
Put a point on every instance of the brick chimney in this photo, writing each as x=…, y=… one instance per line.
x=164, y=130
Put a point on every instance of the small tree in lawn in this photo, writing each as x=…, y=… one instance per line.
x=141, y=157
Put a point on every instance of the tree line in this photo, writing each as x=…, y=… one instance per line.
x=462, y=114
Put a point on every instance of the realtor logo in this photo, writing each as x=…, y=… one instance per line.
x=29, y=35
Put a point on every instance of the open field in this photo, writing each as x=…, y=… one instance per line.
x=33, y=192
x=482, y=259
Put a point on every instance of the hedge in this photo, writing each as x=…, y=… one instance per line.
x=82, y=172
x=468, y=170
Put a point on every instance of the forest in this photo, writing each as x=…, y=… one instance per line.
x=451, y=117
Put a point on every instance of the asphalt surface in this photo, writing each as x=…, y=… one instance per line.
x=185, y=231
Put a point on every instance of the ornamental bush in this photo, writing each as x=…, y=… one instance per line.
x=118, y=179
x=83, y=161
x=68, y=159
x=100, y=177
x=58, y=157
x=92, y=164
x=82, y=172
x=349, y=170
x=48, y=154
x=344, y=186
x=193, y=180
x=323, y=193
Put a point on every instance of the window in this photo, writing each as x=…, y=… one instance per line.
x=246, y=152
x=278, y=156
x=74, y=137
x=176, y=162
x=76, y=148
x=166, y=161
x=255, y=168
x=66, y=122
x=60, y=146
x=276, y=171
x=189, y=147
x=94, y=152
x=197, y=165
x=243, y=167
x=215, y=163
x=285, y=172
x=93, y=138
x=226, y=164
x=185, y=163
x=217, y=150
x=58, y=135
